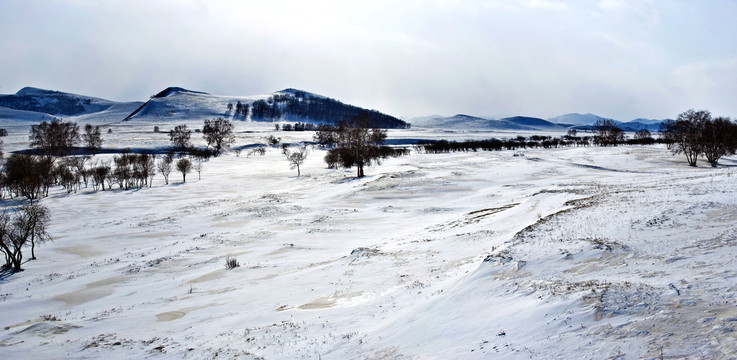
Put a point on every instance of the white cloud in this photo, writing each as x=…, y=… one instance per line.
x=532, y=57
x=546, y=4
x=612, y=4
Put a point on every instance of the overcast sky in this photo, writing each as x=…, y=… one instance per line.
x=615, y=58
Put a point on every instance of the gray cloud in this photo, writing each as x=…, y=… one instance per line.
x=618, y=58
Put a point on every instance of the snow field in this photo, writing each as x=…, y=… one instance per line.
x=562, y=253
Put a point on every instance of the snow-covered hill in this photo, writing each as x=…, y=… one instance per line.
x=42, y=105
x=577, y=119
x=534, y=123
x=183, y=104
x=13, y=116
x=294, y=105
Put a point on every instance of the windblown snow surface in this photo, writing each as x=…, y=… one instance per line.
x=568, y=253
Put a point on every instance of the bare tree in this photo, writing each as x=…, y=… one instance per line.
x=164, y=167
x=180, y=137
x=10, y=244
x=56, y=138
x=218, y=133
x=357, y=145
x=718, y=138
x=184, y=166
x=642, y=134
x=92, y=138
x=78, y=163
x=608, y=133
x=668, y=134
x=295, y=158
x=273, y=140
x=32, y=221
x=99, y=174
x=28, y=225
x=199, y=165
x=23, y=176
x=687, y=133
x=325, y=135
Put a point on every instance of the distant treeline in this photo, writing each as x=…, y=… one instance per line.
x=316, y=109
x=521, y=142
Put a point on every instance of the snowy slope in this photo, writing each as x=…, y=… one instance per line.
x=13, y=116
x=179, y=103
x=620, y=252
x=48, y=104
x=534, y=123
x=286, y=105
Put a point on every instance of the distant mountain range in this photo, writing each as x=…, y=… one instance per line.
x=467, y=122
x=525, y=123
x=178, y=104
x=586, y=121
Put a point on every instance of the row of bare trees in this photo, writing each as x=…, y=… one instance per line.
x=217, y=132
x=58, y=138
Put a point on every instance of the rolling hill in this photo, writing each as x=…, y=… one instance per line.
x=36, y=105
x=286, y=105
x=179, y=104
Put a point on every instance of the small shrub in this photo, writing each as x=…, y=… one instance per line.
x=49, y=318
x=257, y=151
x=231, y=262
x=273, y=141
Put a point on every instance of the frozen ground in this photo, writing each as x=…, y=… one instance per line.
x=565, y=253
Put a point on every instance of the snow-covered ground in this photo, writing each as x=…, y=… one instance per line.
x=565, y=253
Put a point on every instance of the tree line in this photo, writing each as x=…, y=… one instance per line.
x=694, y=133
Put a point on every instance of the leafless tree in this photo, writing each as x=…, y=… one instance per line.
x=92, y=138
x=687, y=133
x=55, y=138
x=357, y=145
x=199, y=165
x=218, y=133
x=27, y=226
x=180, y=137
x=32, y=221
x=184, y=166
x=99, y=174
x=295, y=158
x=164, y=167
x=718, y=138
x=608, y=133
x=325, y=135
x=23, y=176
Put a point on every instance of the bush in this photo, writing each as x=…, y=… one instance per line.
x=231, y=262
x=257, y=151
